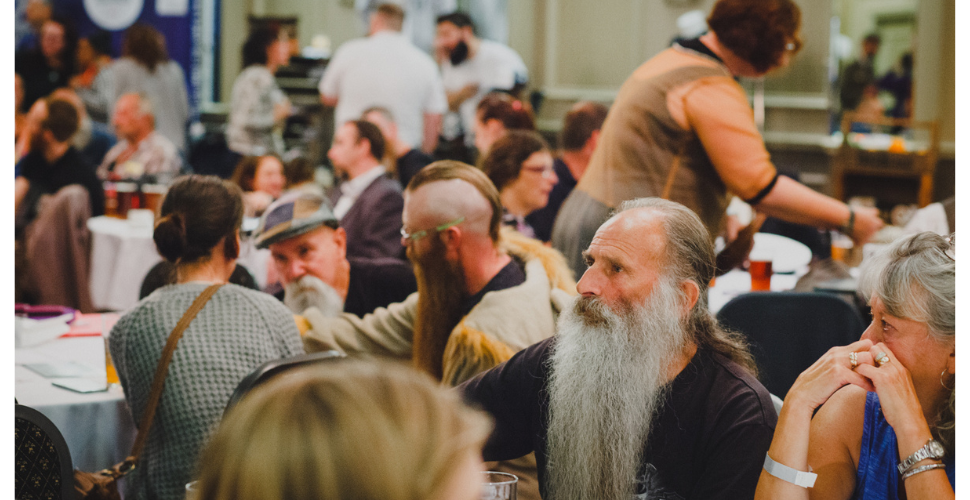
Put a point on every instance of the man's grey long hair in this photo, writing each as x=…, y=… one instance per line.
x=689, y=255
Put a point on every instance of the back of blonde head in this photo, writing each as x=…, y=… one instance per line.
x=350, y=429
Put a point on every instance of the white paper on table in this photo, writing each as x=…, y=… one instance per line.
x=172, y=7
x=29, y=332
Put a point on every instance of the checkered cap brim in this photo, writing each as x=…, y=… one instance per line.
x=293, y=215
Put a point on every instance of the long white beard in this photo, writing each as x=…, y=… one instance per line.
x=310, y=291
x=608, y=374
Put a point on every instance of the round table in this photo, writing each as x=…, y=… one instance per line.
x=97, y=426
x=122, y=254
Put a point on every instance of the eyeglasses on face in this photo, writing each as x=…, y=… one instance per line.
x=407, y=237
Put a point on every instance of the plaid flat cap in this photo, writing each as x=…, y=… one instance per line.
x=292, y=215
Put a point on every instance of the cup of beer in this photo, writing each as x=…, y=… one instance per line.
x=152, y=195
x=127, y=193
x=759, y=267
x=841, y=247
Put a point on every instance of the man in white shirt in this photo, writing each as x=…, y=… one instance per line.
x=386, y=70
x=472, y=67
x=367, y=202
x=418, y=23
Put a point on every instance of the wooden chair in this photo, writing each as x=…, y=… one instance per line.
x=894, y=175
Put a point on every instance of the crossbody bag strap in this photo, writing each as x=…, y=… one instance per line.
x=158, y=383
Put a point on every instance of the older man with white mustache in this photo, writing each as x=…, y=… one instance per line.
x=640, y=394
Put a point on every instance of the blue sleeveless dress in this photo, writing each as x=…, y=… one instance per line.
x=877, y=477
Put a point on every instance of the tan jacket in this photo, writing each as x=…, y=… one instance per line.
x=503, y=323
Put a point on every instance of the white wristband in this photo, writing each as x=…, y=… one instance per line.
x=786, y=473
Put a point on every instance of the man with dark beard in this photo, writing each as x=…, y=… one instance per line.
x=640, y=394
x=471, y=67
x=482, y=295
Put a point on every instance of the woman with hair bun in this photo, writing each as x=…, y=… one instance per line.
x=235, y=332
x=498, y=113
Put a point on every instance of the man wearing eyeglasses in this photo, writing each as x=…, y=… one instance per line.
x=483, y=293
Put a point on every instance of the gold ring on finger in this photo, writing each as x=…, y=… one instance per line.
x=854, y=359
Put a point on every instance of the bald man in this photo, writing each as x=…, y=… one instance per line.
x=482, y=296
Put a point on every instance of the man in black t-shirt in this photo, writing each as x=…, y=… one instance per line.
x=640, y=394
x=54, y=163
x=309, y=250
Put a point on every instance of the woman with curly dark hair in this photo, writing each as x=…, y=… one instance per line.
x=681, y=128
x=520, y=166
x=497, y=113
x=146, y=67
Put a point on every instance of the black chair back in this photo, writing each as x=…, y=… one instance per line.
x=275, y=367
x=43, y=462
x=789, y=331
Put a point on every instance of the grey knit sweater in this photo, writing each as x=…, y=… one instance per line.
x=236, y=331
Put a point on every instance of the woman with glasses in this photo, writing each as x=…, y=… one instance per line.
x=885, y=421
x=520, y=166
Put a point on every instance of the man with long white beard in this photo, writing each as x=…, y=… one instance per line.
x=482, y=294
x=309, y=252
x=640, y=394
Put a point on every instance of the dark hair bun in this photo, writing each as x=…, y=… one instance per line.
x=170, y=237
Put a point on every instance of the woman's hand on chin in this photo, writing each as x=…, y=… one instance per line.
x=897, y=395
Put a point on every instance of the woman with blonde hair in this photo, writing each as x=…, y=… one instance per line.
x=351, y=429
x=886, y=426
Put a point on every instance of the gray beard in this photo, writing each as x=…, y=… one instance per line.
x=310, y=291
x=608, y=374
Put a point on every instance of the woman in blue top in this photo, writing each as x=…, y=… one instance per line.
x=885, y=429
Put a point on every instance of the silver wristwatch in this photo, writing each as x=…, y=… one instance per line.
x=932, y=449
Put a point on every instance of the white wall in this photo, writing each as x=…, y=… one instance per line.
x=579, y=49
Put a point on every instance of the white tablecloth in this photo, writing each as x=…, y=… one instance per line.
x=97, y=426
x=122, y=255
x=737, y=282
